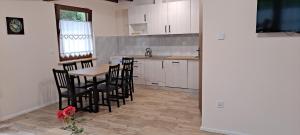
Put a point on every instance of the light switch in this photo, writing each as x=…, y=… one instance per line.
x=220, y=36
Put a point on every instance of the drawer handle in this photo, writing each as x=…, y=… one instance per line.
x=155, y=83
x=135, y=61
x=136, y=66
x=136, y=76
x=175, y=62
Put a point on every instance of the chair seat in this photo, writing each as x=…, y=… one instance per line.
x=82, y=85
x=104, y=88
x=78, y=91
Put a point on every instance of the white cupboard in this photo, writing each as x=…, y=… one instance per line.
x=179, y=17
x=139, y=72
x=155, y=72
x=176, y=73
x=195, y=16
x=164, y=17
x=193, y=74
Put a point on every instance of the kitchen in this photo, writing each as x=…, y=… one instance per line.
x=170, y=31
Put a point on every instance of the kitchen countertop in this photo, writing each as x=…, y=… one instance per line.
x=166, y=57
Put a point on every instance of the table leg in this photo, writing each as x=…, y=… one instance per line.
x=96, y=95
x=73, y=97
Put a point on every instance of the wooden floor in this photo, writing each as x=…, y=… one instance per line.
x=154, y=111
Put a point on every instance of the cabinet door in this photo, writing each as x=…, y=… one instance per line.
x=179, y=17
x=193, y=74
x=176, y=73
x=159, y=18
x=154, y=72
x=195, y=15
x=138, y=72
x=139, y=14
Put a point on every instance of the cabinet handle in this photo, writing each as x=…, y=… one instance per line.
x=154, y=1
x=169, y=28
x=175, y=62
x=162, y=64
x=166, y=28
x=145, y=17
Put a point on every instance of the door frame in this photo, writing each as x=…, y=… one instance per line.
x=200, y=56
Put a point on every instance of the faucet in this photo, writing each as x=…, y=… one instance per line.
x=148, y=52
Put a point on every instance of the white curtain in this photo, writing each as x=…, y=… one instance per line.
x=76, y=38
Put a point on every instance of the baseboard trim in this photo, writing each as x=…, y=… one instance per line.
x=25, y=111
x=226, y=132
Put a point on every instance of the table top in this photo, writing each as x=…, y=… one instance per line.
x=92, y=72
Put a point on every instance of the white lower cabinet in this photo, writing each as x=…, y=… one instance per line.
x=139, y=72
x=176, y=73
x=155, y=72
x=170, y=73
x=193, y=74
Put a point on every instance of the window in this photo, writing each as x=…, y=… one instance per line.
x=75, y=33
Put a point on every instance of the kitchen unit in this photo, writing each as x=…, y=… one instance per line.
x=164, y=17
x=179, y=72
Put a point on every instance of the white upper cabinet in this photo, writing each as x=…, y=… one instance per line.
x=195, y=16
x=159, y=19
x=165, y=17
x=179, y=17
x=139, y=14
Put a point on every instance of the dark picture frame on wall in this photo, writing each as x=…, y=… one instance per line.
x=15, y=26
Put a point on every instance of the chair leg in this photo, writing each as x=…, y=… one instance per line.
x=80, y=102
x=131, y=97
x=123, y=96
x=91, y=102
x=69, y=101
x=60, y=103
x=108, y=101
x=132, y=85
x=102, y=95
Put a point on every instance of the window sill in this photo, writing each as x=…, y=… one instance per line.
x=77, y=60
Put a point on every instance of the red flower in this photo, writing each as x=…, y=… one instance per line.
x=60, y=115
x=69, y=111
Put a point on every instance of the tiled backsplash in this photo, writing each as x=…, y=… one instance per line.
x=164, y=45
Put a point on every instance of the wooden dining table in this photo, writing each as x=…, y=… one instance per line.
x=93, y=72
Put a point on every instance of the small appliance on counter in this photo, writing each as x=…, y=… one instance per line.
x=148, y=52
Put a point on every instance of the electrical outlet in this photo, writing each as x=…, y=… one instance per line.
x=220, y=104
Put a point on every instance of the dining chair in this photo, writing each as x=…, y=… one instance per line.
x=89, y=64
x=124, y=83
x=73, y=66
x=131, y=61
x=66, y=89
x=110, y=87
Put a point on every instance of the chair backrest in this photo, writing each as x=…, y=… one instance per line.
x=126, y=73
x=87, y=64
x=113, y=75
x=62, y=80
x=127, y=60
x=70, y=67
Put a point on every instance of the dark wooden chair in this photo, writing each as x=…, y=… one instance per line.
x=131, y=61
x=66, y=89
x=73, y=66
x=110, y=87
x=89, y=64
x=124, y=83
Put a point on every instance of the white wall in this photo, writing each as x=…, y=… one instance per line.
x=26, y=80
x=257, y=76
x=26, y=60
